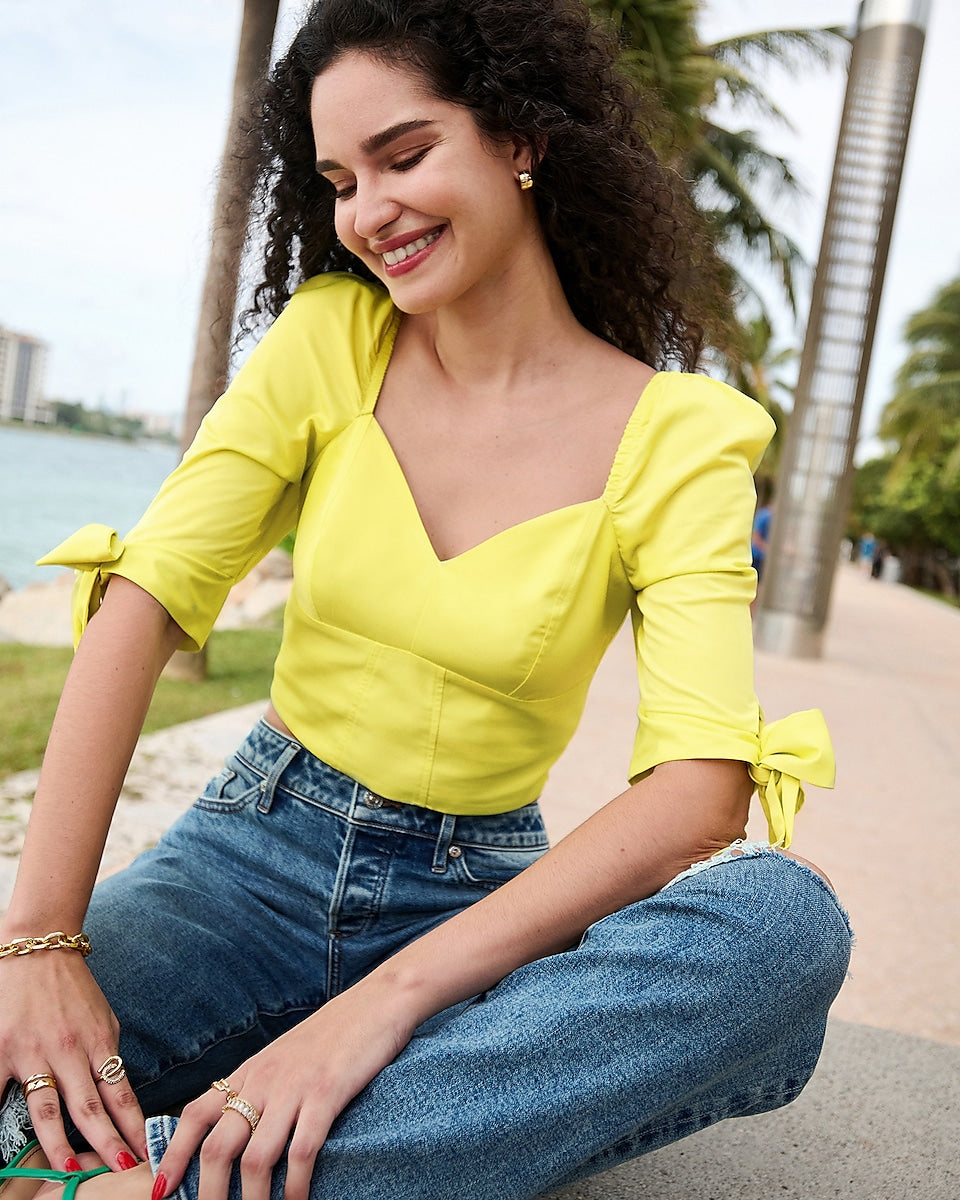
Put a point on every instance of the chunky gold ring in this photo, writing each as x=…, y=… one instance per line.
x=245, y=1109
x=112, y=1070
x=222, y=1086
x=36, y=1083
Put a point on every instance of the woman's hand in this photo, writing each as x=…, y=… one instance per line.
x=298, y=1084
x=55, y=1020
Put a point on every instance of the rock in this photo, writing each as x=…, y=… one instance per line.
x=276, y=565
x=39, y=614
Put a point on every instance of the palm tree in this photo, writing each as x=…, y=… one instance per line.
x=923, y=416
x=754, y=366
x=728, y=168
x=214, y=336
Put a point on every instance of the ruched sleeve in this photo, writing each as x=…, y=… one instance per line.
x=683, y=508
x=240, y=486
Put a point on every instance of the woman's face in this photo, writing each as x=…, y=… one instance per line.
x=429, y=205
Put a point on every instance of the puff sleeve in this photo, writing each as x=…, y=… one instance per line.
x=684, y=510
x=239, y=488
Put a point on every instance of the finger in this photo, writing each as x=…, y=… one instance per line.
x=82, y=1097
x=263, y=1151
x=123, y=1107
x=196, y=1120
x=220, y=1150
x=305, y=1145
x=46, y=1117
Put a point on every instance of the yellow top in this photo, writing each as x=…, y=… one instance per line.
x=456, y=684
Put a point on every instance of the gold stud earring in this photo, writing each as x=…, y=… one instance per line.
x=525, y=179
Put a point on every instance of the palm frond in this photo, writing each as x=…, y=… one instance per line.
x=733, y=176
x=792, y=49
x=930, y=363
x=744, y=92
x=746, y=158
x=934, y=325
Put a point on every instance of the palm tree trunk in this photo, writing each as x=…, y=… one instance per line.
x=211, y=355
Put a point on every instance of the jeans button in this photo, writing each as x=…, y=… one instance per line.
x=455, y=852
x=372, y=801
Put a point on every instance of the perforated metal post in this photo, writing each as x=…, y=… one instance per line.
x=817, y=467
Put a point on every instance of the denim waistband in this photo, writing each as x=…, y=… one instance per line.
x=283, y=764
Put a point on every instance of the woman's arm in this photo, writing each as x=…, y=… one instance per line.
x=680, y=813
x=53, y=1017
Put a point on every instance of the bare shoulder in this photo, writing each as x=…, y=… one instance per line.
x=613, y=379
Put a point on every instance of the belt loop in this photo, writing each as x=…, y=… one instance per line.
x=269, y=785
x=441, y=850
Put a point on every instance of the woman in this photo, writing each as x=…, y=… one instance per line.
x=354, y=949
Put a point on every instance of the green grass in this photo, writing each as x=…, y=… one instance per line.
x=240, y=664
x=952, y=601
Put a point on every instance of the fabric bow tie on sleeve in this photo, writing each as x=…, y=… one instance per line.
x=792, y=751
x=88, y=552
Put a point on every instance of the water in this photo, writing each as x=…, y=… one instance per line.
x=52, y=483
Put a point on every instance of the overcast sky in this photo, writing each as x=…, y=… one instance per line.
x=112, y=117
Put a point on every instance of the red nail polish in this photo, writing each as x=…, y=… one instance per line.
x=126, y=1160
x=71, y=1164
x=159, y=1187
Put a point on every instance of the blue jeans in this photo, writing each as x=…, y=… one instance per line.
x=288, y=881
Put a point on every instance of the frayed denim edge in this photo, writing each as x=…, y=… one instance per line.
x=15, y=1130
x=741, y=849
x=159, y=1132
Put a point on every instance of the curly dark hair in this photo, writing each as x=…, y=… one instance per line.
x=631, y=254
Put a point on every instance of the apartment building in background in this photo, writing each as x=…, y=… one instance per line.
x=22, y=365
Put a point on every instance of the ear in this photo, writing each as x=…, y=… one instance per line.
x=526, y=157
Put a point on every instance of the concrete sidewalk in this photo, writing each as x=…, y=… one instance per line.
x=888, y=835
x=881, y=1117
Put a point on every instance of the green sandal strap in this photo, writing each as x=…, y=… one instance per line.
x=72, y=1179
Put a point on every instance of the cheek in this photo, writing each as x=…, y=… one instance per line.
x=341, y=225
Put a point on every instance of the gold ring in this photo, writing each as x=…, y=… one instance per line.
x=222, y=1086
x=36, y=1083
x=112, y=1070
x=245, y=1109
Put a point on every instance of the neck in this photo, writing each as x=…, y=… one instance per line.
x=517, y=328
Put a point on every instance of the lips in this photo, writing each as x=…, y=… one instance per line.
x=393, y=257
x=404, y=246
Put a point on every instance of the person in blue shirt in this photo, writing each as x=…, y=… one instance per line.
x=760, y=540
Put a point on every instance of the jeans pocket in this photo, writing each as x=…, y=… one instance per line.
x=490, y=866
x=231, y=790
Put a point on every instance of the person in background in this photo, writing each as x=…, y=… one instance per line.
x=760, y=535
x=867, y=549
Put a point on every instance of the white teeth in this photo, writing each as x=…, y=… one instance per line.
x=392, y=257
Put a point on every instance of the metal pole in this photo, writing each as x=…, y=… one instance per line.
x=816, y=474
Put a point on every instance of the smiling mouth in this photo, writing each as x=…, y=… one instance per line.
x=393, y=257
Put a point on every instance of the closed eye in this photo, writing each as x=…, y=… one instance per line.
x=406, y=164
x=345, y=191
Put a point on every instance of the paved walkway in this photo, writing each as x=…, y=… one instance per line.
x=881, y=1118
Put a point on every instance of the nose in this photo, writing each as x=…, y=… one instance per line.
x=373, y=209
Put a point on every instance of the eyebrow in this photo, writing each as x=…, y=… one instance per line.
x=377, y=141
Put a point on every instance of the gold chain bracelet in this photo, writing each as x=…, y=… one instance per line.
x=52, y=941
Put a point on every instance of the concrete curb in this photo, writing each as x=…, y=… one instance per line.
x=878, y=1121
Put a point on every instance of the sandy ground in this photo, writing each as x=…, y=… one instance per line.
x=889, y=684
